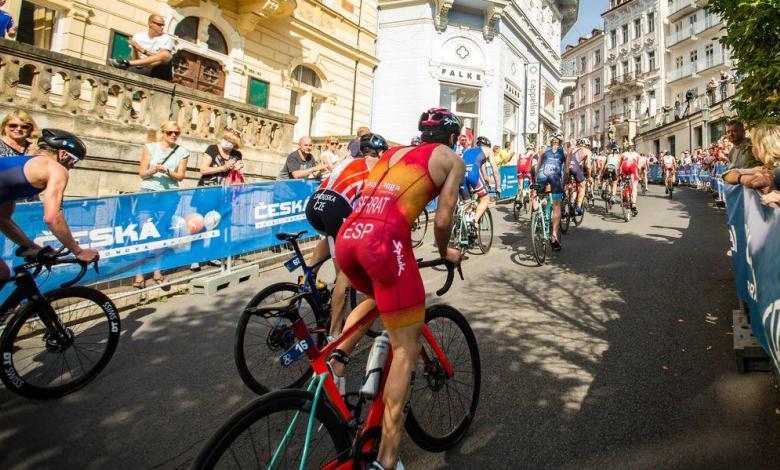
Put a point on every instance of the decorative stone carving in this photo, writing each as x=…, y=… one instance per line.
x=441, y=14
x=252, y=11
x=492, y=15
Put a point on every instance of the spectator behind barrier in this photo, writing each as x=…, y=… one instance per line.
x=152, y=52
x=221, y=159
x=766, y=147
x=163, y=164
x=7, y=26
x=18, y=130
x=354, y=144
x=331, y=156
x=301, y=163
x=741, y=155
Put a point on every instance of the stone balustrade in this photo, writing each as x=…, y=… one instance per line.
x=116, y=112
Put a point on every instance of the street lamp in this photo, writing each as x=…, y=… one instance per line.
x=705, y=116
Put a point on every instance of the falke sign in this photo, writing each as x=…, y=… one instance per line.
x=449, y=73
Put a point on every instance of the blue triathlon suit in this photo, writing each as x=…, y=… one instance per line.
x=13, y=183
x=474, y=159
x=551, y=171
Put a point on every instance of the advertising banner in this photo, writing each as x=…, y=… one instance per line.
x=532, y=93
x=507, y=178
x=755, y=251
x=143, y=232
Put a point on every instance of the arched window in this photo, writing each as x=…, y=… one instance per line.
x=303, y=102
x=189, y=29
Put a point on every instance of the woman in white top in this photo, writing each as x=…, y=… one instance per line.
x=330, y=157
x=163, y=164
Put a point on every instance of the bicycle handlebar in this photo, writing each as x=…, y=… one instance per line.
x=450, y=272
x=47, y=257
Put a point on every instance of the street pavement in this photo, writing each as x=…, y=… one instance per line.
x=616, y=354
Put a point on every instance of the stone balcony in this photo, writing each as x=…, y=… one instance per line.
x=627, y=82
x=117, y=112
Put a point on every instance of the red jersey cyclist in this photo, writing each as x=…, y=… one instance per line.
x=670, y=165
x=374, y=249
x=629, y=168
x=524, y=163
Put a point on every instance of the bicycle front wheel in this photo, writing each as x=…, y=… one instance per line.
x=538, y=240
x=39, y=364
x=579, y=218
x=517, y=206
x=261, y=341
x=253, y=435
x=419, y=228
x=442, y=407
x=485, y=233
x=565, y=215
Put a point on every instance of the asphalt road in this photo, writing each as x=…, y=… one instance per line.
x=607, y=357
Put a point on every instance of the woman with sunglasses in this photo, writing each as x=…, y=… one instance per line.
x=163, y=164
x=18, y=128
x=330, y=156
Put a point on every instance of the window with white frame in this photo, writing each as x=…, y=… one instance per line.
x=463, y=101
x=637, y=28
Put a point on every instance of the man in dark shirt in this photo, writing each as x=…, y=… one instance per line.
x=301, y=164
x=354, y=145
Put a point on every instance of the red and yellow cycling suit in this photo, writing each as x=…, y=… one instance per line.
x=524, y=162
x=374, y=246
x=630, y=165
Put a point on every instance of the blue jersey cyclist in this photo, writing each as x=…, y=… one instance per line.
x=475, y=159
x=553, y=171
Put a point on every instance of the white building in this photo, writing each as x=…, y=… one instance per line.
x=583, y=114
x=495, y=63
x=634, y=36
x=694, y=57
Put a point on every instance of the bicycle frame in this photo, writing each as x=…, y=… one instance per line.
x=463, y=226
x=308, y=272
x=27, y=289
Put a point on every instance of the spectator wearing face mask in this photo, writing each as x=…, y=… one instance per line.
x=220, y=158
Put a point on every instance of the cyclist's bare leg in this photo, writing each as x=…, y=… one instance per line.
x=406, y=350
x=614, y=188
x=580, y=193
x=556, y=219
x=348, y=345
x=634, y=188
x=338, y=303
x=484, y=202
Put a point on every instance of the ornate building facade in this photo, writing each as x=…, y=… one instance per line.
x=583, y=114
x=496, y=63
x=275, y=69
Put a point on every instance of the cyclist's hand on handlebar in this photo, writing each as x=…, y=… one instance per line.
x=453, y=256
x=88, y=255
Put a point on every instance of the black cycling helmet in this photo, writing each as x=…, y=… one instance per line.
x=613, y=147
x=372, y=143
x=483, y=142
x=57, y=139
x=437, y=124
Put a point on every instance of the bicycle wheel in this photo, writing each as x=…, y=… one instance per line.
x=442, y=407
x=516, y=206
x=485, y=233
x=671, y=190
x=261, y=341
x=36, y=365
x=626, y=206
x=419, y=228
x=578, y=218
x=538, y=241
x=251, y=437
x=565, y=215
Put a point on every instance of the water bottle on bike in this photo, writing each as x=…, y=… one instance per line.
x=376, y=362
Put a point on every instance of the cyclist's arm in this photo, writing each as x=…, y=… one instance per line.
x=448, y=198
x=11, y=230
x=52, y=207
x=495, y=173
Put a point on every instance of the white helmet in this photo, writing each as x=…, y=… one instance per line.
x=584, y=141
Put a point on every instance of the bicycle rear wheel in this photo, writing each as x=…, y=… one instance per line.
x=517, y=206
x=565, y=215
x=251, y=437
x=419, y=228
x=261, y=341
x=443, y=407
x=485, y=233
x=578, y=218
x=37, y=364
x=538, y=241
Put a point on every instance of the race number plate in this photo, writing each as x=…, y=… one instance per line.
x=295, y=352
x=293, y=263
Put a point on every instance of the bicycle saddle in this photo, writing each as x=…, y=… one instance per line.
x=290, y=236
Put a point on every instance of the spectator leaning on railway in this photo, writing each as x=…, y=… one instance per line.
x=766, y=148
x=301, y=164
x=741, y=155
x=152, y=52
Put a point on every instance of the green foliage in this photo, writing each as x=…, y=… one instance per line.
x=753, y=36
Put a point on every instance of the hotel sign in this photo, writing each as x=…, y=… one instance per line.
x=456, y=74
x=532, y=98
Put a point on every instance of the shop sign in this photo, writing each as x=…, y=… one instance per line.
x=456, y=74
x=532, y=99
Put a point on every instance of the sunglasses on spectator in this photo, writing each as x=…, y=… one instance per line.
x=158, y=24
x=172, y=132
x=333, y=143
x=24, y=127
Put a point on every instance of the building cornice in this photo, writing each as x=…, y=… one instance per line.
x=304, y=29
x=525, y=30
x=617, y=7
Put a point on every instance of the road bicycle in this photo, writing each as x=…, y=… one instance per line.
x=318, y=428
x=54, y=343
x=669, y=182
x=259, y=338
x=465, y=234
x=590, y=195
x=541, y=225
x=606, y=195
x=522, y=200
x=626, y=193
x=419, y=228
x=569, y=207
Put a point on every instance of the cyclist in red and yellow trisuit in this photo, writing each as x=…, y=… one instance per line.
x=629, y=167
x=374, y=249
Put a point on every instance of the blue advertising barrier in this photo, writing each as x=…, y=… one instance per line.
x=755, y=251
x=143, y=232
x=655, y=174
x=507, y=178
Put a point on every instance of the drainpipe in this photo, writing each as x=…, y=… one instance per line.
x=354, y=78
